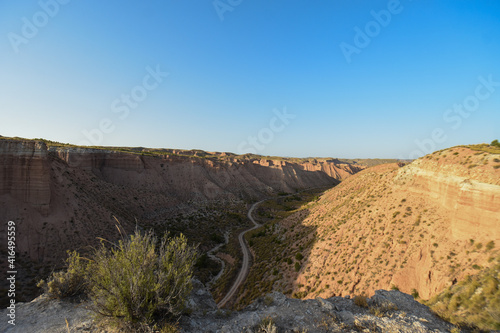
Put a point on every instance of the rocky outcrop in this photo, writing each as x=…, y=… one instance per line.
x=386, y=311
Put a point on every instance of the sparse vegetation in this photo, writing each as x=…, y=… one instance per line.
x=383, y=309
x=68, y=283
x=297, y=266
x=345, y=236
x=135, y=283
x=492, y=148
x=475, y=301
x=142, y=277
x=268, y=300
x=273, y=262
x=361, y=301
x=267, y=325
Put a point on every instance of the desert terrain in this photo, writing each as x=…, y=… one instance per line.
x=306, y=228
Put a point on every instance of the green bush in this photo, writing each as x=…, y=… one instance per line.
x=71, y=282
x=495, y=143
x=474, y=302
x=297, y=266
x=141, y=278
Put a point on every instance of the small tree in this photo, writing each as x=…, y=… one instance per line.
x=495, y=143
x=141, y=278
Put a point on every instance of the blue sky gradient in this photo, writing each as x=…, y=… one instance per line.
x=67, y=78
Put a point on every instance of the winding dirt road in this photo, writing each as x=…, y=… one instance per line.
x=246, y=258
x=246, y=252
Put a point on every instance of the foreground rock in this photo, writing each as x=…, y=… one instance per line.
x=386, y=311
x=49, y=315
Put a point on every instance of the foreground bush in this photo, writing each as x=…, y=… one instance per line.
x=137, y=284
x=142, y=278
x=71, y=282
x=472, y=302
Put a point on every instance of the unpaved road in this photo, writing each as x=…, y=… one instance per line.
x=212, y=256
x=246, y=252
x=246, y=258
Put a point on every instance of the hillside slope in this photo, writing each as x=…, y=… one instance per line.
x=419, y=228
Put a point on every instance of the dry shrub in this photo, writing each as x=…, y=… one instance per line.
x=68, y=283
x=361, y=301
x=142, y=279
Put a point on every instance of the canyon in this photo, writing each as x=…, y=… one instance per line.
x=64, y=197
x=357, y=226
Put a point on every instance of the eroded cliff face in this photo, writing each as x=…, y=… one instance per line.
x=333, y=169
x=465, y=187
x=470, y=191
x=25, y=173
x=65, y=197
x=204, y=178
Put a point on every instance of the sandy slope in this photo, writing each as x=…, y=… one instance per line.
x=420, y=228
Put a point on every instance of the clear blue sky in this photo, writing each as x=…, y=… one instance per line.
x=73, y=67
